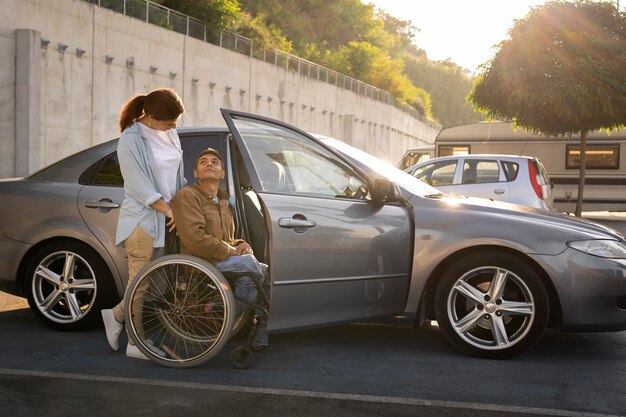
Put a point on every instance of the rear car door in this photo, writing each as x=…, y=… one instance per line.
x=99, y=201
x=482, y=177
x=334, y=254
x=102, y=194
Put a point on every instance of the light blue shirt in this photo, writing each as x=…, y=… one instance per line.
x=141, y=187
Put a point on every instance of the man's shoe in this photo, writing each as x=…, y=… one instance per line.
x=112, y=327
x=260, y=340
x=133, y=351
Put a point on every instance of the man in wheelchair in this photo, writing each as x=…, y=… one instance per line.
x=205, y=225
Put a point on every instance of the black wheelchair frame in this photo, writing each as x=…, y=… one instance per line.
x=180, y=312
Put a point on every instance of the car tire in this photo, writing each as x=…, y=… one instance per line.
x=491, y=305
x=68, y=298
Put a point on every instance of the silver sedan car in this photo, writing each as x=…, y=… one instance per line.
x=347, y=237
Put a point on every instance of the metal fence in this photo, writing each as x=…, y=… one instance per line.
x=171, y=19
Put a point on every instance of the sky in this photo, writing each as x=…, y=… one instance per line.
x=465, y=31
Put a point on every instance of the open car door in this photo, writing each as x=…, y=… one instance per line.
x=335, y=254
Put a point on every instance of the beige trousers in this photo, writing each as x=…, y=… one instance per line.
x=139, y=250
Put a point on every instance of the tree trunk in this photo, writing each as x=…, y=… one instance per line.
x=583, y=167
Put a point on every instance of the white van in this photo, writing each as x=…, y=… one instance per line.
x=605, y=179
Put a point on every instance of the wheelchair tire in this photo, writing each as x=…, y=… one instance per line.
x=241, y=357
x=179, y=311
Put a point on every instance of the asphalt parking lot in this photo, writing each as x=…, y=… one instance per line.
x=350, y=370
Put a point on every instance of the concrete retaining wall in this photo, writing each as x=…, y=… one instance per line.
x=71, y=65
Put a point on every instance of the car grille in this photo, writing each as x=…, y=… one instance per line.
x=621, y=302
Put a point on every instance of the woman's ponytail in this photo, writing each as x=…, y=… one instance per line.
x=161, y=104
x=132, y=110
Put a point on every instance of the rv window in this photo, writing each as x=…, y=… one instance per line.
x=598, y=156
x=412, y=158
x=453, y=150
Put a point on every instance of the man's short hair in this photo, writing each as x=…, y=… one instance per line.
x=208, y=151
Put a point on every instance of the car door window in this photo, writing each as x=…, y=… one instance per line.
x=286, y=162
x=437, y=174
x=193, y=144
x=104, y=172
x=480, y=172
x=109, y=173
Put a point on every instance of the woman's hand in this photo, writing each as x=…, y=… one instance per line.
x=169, y=217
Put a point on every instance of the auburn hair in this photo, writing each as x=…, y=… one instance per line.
x=161, y=104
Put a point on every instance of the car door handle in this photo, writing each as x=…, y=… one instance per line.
x=498, y=191
x=298, y=225
x=104, y=204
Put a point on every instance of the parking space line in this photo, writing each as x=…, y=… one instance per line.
x=303, y=393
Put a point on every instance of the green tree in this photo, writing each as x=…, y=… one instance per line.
x=263, y=35
x=372, y=65
x=561, y=71
x=331, y=24
x=218, y=14
x=448, y=85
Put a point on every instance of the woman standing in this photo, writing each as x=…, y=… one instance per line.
x=151, y=162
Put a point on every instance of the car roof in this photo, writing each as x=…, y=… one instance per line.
x=202, y=129
x=478, y=156
x=517, y=158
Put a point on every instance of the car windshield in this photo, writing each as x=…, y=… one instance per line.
x=387, y=170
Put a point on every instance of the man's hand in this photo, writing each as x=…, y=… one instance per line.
x=243, y=249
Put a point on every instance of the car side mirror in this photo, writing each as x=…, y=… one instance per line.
x=385, y=191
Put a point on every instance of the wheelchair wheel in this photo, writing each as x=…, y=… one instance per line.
x=241, y=357
x=241, y=322
x=179, y=311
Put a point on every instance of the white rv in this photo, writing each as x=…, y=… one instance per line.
x=605, y=179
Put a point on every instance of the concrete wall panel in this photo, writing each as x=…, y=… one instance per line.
x=81, y=96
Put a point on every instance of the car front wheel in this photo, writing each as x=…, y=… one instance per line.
x=67, y=285
x=491, y=305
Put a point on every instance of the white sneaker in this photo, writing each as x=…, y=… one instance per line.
x=133, y=351
x=112, y=327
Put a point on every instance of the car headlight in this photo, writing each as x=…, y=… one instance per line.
x=601, y=248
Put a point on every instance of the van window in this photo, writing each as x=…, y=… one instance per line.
x=598, y=156
x=453, y=150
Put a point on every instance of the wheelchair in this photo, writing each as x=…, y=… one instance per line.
x=180, y=312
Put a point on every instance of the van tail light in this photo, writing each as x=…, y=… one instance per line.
x=534, y=175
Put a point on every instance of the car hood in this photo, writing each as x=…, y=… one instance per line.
x=471, y=221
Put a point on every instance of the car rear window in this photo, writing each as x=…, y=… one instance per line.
x=510, y=170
